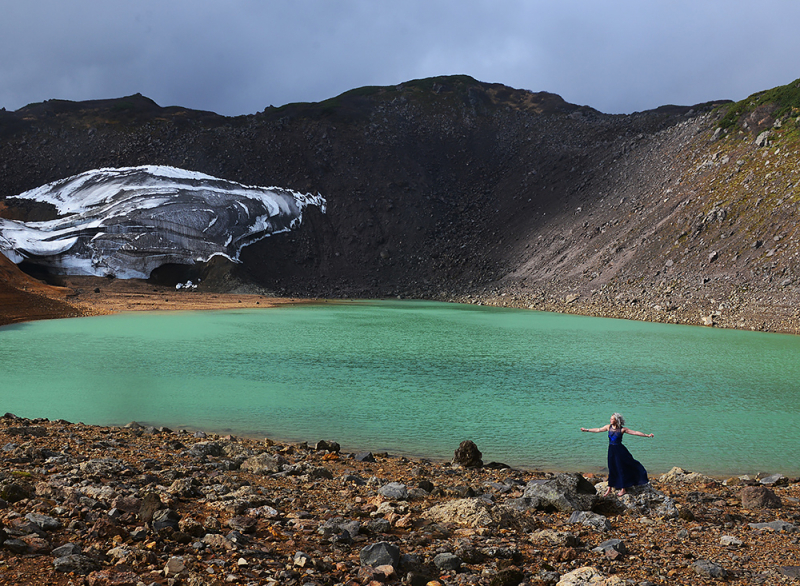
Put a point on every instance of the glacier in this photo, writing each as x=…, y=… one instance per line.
x=125, y=222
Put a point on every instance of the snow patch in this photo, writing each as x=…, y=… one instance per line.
x=128, y=221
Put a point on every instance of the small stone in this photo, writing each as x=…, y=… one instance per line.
x=67, y=549
x=593, y=520
x=709, y=569
x=301, y=560
x=174, y=566
x=612, y=544
x=43, y=521
x=447, y=562
x=78, y=564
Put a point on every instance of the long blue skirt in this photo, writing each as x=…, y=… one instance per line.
x=623, y=470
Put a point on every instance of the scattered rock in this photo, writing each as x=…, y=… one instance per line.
x=611, y=544
x=777, y=526
x=76, y=564
x=709, y=569
x=593, y=520
x=175, y=565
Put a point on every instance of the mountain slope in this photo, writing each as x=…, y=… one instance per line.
x=456, y=189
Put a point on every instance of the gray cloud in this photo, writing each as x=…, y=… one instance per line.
x=240, y=56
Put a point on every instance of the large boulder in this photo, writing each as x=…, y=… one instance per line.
x=382, y=553
x=565, y=493
x=468, y=455
x=759, y=497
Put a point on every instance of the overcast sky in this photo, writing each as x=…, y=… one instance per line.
x=240, y=56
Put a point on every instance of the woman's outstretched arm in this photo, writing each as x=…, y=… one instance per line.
x=596, y=429
x=639, y=433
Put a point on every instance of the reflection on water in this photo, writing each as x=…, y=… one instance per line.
x=420, y=377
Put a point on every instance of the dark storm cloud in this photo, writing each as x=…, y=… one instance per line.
x=240, y=56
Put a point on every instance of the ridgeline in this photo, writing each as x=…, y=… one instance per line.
x=452, y=189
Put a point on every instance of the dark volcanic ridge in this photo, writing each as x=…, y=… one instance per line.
x=449, y=188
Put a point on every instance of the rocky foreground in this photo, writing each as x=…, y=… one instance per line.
x=137, y=505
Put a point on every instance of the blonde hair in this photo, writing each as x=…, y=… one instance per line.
x=620, y=419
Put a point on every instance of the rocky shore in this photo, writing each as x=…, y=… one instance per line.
x=138, y=505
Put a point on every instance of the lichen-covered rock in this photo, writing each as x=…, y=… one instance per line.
x=677, y=474
x=263, y=464
x=475, y=512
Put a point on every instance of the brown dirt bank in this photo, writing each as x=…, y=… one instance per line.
x=84, y=296
x=138, y=505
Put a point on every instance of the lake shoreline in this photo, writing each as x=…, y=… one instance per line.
x=119, y=505
x=81, y=296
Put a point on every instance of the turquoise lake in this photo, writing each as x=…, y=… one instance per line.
x=417, y=378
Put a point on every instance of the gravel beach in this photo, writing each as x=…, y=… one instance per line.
x=134, y=505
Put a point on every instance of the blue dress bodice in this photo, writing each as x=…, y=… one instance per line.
x=614, y=437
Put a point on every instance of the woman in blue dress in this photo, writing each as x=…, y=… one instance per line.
x=623, y=470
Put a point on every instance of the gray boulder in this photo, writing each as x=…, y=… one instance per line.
x=565, y=493
x=45, y=522
x=201, y=449
x=394, y=490
x=775, y=480
x=777, y=526
x=380, y=554
x=67, y=549
x=447, y=562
